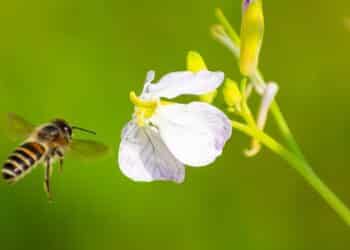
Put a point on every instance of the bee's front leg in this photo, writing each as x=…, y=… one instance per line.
x=47, y=182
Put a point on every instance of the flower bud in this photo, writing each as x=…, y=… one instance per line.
x=209, y=97
x=232, y=94
x=252, y=32
x=195, y=63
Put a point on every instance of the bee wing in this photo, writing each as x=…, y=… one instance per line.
x=17, y=127
x=87, y=149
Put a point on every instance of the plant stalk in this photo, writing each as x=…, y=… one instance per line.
x=302, y=167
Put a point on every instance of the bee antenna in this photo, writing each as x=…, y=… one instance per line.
x=84, y=130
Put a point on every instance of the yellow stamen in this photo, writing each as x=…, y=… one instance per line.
x=140, y=118
x=138, y=102
x=143, y=109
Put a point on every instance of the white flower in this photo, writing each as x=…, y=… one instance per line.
x=164, y=136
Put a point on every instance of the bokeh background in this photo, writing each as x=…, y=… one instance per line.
x=78, y=59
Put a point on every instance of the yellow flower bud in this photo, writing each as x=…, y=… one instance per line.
x=209, y=97
x=252, y=32
x=232, y=94
x=196, y=63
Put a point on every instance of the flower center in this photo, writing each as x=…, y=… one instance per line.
x=143, y=109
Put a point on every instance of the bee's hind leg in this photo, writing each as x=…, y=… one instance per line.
x=47, y=181
x=60, y=159
x=61, y=165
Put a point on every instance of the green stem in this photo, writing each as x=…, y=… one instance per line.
x=227, y=26
x=258, y=77
x=293, y=155
x=300, y=166
x=285, y=130
x=281, y=122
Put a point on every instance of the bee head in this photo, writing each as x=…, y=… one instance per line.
x=67, y=129
x=63, y=126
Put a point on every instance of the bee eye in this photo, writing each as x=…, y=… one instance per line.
x=67, y=130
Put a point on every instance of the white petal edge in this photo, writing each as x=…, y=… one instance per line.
x=195, y=133
x=270, y=92
x=144, y=157
x=186, y=83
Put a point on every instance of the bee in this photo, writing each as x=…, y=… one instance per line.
x=45, y=144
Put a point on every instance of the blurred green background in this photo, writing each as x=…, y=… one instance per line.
x=79, y=59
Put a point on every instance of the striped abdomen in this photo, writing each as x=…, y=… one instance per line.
x=22, y=160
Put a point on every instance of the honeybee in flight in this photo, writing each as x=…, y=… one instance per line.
x=45, y=144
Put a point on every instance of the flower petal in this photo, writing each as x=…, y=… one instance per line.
x=194, y=133
x=144, y=157
x=186, y=83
